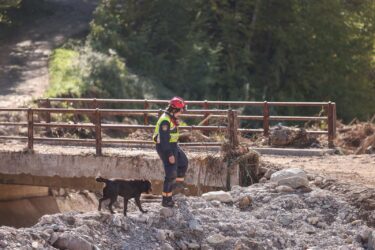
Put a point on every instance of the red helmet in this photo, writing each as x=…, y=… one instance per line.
x=177, y=102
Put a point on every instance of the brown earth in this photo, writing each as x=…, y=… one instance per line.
x=355, y=169
x=24, y=54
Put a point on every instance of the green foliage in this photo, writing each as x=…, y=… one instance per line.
x=78, y=71
x=5, y=5
x=65, y=79
x=290, y=50
x=106, y=76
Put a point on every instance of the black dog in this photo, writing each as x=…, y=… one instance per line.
x=125, y=188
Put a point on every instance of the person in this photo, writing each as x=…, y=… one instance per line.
x=173, y=157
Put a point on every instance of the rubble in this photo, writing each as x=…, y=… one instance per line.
x=260, y=217
x=282, y=136
x=358, y=138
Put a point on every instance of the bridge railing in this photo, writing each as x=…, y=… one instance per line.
x=266, y=118
x=231, y=115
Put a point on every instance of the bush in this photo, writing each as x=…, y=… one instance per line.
x=79, y=71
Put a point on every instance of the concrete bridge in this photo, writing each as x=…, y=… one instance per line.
x=77, y=167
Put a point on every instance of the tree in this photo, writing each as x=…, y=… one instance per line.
x=290, y=50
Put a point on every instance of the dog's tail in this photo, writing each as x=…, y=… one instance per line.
x=100, y=179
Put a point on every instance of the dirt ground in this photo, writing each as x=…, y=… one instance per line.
x=356, y=169
x=24, y=55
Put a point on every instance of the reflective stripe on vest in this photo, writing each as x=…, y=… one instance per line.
x=173, y=130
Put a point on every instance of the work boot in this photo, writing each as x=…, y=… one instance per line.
x=167, y=202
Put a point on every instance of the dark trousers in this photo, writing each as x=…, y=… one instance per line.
x=172, y=171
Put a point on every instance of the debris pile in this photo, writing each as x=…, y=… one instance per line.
x=289, y=210
x=140, y=134
x=282, y=136
x=358, y=138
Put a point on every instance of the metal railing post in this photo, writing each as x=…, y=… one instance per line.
x=48, y=114
x=232, y=128
x=331, y=123
x=205, y=118
x=30, y=129
x=205, y=105
x=266, y=118
x=145, y=116
x=98, y=132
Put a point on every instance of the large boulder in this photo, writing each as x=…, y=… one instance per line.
x=73, y=242
x=218, y=195
x=292, y=177
x=287, y=136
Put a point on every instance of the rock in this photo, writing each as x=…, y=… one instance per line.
x=263, y=170
x=160, y=235
x=166, y=212
x=215, y=203
x=281, y=136
x=117, y=220
x=53, y=238
x=371, y=240
x=167, y=246
x=310, y=177
x=141, y=218
x=62, y=192
x=292, y=177
x=35, y=244
x=206, y=247
x=193, y=245
x=365, y=234
x=308, y=229
x=240, y=246
x=263, y=180
x=72, y=242
x=70, y=220
x=289, y=172
x=46, y=219
x=182, y=245
x=285, y=220
x=195, y=225
x=3, y=243
x=318, y=181
x=304, y=189
x=313, y=220
x=218, y=195
x=269, y=173
x=245, y=202
x=216, y=239
x=284, y=189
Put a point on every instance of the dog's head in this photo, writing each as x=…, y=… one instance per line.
x=147, y=188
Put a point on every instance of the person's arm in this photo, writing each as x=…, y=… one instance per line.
x=164, y=134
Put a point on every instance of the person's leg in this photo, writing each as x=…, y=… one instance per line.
x=169, y=179
x=182, y=166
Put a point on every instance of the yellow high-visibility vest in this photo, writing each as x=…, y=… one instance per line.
x=173, y=130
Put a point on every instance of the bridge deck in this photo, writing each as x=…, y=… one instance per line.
x=77, y=166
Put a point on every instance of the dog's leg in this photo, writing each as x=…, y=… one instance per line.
x=100, y=203
x=113, y=200
x=125, y=206
x=138, y=202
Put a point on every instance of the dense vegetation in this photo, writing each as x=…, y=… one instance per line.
x=290, y=50
x=14, y=13
x=286, y=50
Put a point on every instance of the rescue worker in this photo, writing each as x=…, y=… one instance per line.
x=174, y=159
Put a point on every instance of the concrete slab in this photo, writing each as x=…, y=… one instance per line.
x=79, y=170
